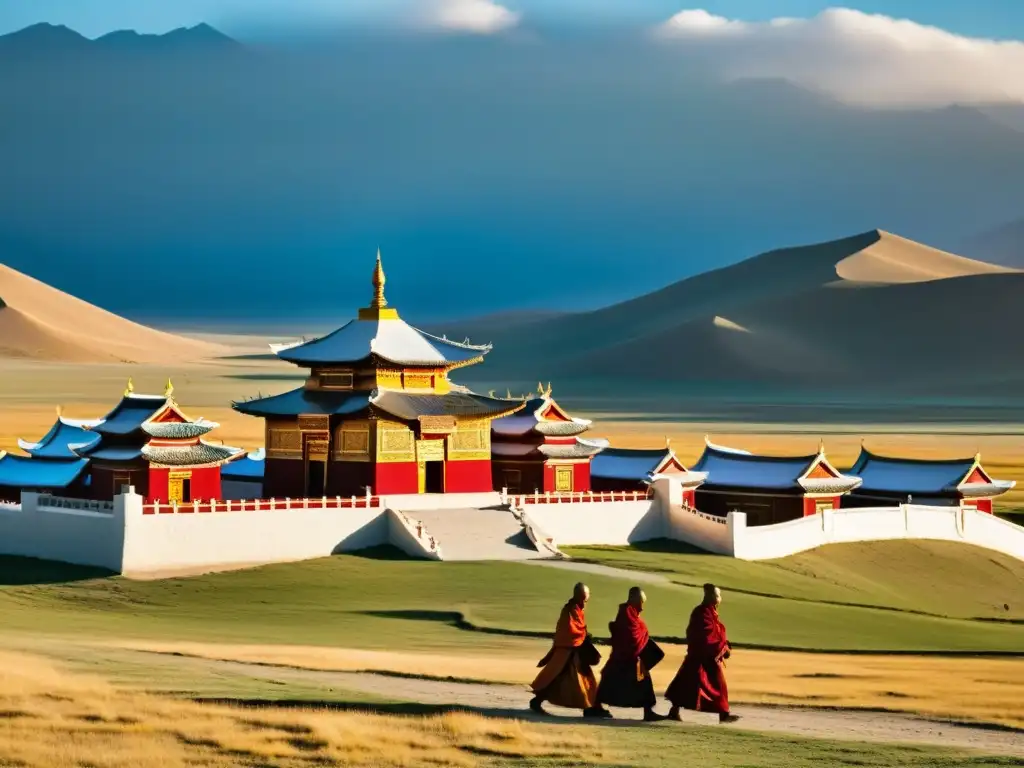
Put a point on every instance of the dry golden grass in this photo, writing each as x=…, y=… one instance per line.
x=981, y=689
x=50, y=719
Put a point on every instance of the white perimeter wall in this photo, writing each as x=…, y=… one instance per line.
x=186, y=540
x=84, y=536
x=908, y=521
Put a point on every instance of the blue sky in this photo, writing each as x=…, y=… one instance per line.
x=987, y=18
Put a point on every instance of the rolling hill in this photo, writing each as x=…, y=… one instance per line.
x=874, y=310
x=41, y=323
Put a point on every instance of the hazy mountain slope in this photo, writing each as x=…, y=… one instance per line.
x=874, y=310
x=494, y=175
x=1002, y=245
x=40, y=322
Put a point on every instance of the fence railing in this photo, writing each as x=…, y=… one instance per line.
x=260, y=505
x=60, y=502
x=520, y=500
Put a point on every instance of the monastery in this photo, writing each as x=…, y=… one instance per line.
x=381, y=445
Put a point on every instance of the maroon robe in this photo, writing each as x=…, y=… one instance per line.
x=625, y=681
x=700, y=683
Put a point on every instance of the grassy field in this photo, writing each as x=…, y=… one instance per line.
x=360, y=601
x=55, y=719
x=935, y=577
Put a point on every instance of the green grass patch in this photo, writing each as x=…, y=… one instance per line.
x=932, y=577
x=423, y=606
x=716, y=747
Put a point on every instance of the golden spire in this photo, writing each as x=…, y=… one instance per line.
x=169, y=388
x=378, y=309
x=668, y=443
x=60, y=411
x=130, y=388
x=821, y=445
x=378, y=285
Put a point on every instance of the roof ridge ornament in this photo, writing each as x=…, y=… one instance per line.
x=130, y=389
x=168, y=388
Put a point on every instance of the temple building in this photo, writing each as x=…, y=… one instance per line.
x=539, y=448
x=51, y=466
x=769, y=489
x=378, y=413
x=145, y=441
x=628, y=469
x=888, y=481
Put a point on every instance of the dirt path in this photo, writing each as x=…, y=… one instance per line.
x=510, y=701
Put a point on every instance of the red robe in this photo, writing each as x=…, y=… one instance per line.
x=625, y=681
x=700, y=683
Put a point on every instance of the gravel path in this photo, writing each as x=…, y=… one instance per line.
x=510, y=701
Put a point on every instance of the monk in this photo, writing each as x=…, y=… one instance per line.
x=700, y=683
x=626, y=679
x=566, y=679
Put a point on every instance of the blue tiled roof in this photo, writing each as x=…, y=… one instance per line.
x=243, y=469
x=744, y=470
x=113, y=452
x=54, y=444
x=626, y=463
x=908, y=476
x=29, y=473
x=129, y=414
x=306, y=401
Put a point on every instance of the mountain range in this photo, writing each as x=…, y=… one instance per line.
x=873, y=312
x=496, y=175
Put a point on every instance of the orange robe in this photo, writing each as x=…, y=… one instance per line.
x=565, y=680
x=700, y=683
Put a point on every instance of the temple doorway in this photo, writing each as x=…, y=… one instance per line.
x=433, y=477
x=316, y=478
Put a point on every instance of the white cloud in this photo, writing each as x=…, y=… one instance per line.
x=860, y=58
x=482, y=17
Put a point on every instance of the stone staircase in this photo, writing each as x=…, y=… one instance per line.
x=477, y=533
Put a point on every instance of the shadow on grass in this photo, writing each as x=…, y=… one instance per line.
x=415, y=709
x=22, y=571
x=381, y=552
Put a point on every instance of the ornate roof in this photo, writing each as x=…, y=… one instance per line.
x=248, y=468
x=543, y=416
x=635, y=464
x=178, y=430
x=130, y=414
x=391, y=339
x=302, y=400
x=409, y=407
x=888, y=475
x=64, y=436
x=112, y=452
x=195, y=455
x=580, y=449
x=29, y=473
x=380, y=332
x=730, y=468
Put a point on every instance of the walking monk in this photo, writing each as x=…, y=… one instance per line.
x=566, y=679
x=626, y=678
x=700, y=683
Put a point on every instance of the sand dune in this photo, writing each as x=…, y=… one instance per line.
x=42, y=323
x=893, y=259
x=910, y=315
